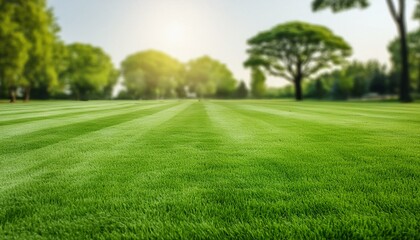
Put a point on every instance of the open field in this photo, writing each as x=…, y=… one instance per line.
x=209, y=169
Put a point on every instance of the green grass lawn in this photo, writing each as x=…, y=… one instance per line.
x=209, y=169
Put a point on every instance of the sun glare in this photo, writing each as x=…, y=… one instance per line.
x=175, y=33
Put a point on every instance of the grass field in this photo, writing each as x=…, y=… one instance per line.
x=209, y=169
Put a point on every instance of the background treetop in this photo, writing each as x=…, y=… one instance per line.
x=152, y=74
x=337, y=6
x=206, y=76
x=296, y=44
x=89, y=70
x=303, y=39
x=296, y=50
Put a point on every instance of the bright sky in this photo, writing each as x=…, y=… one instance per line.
x=188, y=29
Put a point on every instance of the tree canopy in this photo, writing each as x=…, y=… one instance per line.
x=40, y=29
x=27, y=35
x=152, y=74
x=339, y=5
x=206, y=77
x=297, y=50
x=13, y=49
x=89, y=70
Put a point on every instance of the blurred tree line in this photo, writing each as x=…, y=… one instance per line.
x=28, y=34
x=370, y=79
x=36, y=63
x=401, y=46
x=354, y=80
x=155, y=75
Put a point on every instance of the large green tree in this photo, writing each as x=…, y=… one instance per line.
x=208, y=77
x=296, y=50
x=89, y=70
x=398, y=15
x=152, y=74
x=61, y=63
x=38, y=24
x=29, y=29
x=13, y=49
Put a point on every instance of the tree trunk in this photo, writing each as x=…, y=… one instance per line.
x=27, y=94
x=405, y=71
x=298, y=88
x=399, y=18
x=12, y=94
x=298, y=81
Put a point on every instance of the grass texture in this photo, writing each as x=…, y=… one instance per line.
x=209, y=170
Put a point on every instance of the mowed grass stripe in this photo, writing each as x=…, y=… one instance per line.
x=271, y=135
x=24, y=128
x=349, y=140
x=361, y=107
x=182, y=173
x=185, y=192
x=10, y=120
x=359, y=134
x=158, y=177
x=162, y=184
x=265, y=134
x=354, y=148
x=37, y=111
x=363, y=123
x=42, y=107
x=86, y=150
x=73, y=112
x=235, y=125
x=412, y=115
x=335, y=169
x=220, y=180
x=73, y=128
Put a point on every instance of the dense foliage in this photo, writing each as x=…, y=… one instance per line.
x=27, y=38
x=354, y=80
x=89, y=70
x=152, y=74
x=296, y=51
x=398, y=16
x=208, y=77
